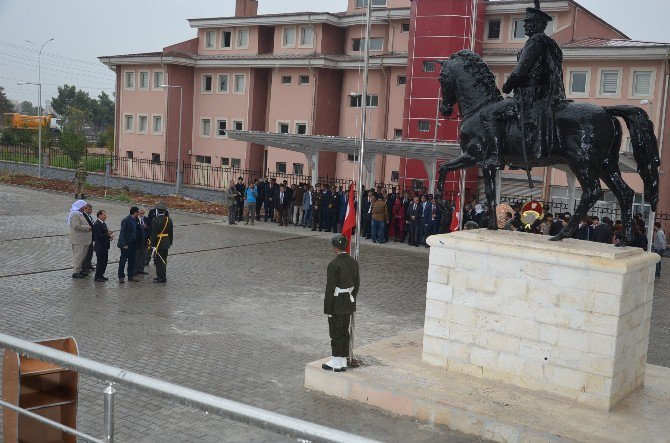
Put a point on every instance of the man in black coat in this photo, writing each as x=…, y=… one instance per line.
x=602, y=232
x=127, y=243
x=88, y=266
x=101, y=240
x=269, y=204
x=414, y=211
x=282, y=204
x=162, y=239
x=152, y=215
x=260, y=200
x=239, y=187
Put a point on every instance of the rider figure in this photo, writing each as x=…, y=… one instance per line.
x=537, y=82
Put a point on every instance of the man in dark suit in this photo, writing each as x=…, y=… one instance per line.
x=326, y=206
x=127, y=243
x=366, y=221
x=87, y=267
x=283, y=202
x=317, y=213
x=101, y=240
x=426, y=211
x=602, y=232
x=414, y=217
x=162, y=239
x=260, y=188
x=271, y=189
x=142, y=247
x=239, y=187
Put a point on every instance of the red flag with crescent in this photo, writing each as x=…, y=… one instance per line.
x=350, y=218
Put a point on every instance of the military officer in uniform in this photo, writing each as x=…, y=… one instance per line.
x=161, y=240
x=537, y=82
x=340, y=302
x=79, y=181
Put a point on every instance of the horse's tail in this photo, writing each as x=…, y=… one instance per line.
x=645, y=147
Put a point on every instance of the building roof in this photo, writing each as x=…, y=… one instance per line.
x=596, y=42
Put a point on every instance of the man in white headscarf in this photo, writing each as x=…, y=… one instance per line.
x=80, y=237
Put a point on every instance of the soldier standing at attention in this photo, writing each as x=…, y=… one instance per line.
x=79, y=181
x=161, y=240
x=340, y=302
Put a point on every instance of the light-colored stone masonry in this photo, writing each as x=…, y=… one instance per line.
x=569, y=318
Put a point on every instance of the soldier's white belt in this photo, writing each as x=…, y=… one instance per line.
x=339, y=291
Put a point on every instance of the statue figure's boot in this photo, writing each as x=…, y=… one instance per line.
x=495, y=135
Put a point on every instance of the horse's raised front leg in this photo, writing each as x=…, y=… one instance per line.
x=490, y=188
x=462, y=162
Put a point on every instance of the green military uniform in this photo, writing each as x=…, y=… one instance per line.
x=161, y=240
x=80, y=180
x=340, y=300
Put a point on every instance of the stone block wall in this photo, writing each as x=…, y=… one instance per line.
x=569, y=318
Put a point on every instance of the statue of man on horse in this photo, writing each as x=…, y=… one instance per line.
x=537, y=82
x=538, y=127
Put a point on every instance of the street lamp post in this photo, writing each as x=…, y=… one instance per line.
x=178, y=184
x=39, y=104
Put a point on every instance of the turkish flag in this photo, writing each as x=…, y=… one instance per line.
x=456, y=215
x=349, y=218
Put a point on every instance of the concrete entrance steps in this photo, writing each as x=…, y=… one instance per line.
x=397, y=380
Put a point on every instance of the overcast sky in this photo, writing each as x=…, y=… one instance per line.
x=86, y=29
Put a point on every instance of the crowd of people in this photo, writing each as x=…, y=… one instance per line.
x=141, y=237
x=404, y=217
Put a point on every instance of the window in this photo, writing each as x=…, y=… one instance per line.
x=356, y=101
x=303, y=80
x=404, y=28
x=298, y=168
x=364, y=3
x=428, y=66
x=283, y=128
x=210, y=38
x=352, y=157
x=203, y=159
x=288, y=38
x=128, y=123
x=207, y=83
x=129, y=154
x=424, y=126
x=144, y=80
x=240, y=83
x=518, y=29
x=159, y=79
x=157, y=124
x=578, y=82
x=402, y=80
x=205, y=127
x=129, y=80
x=242, y=38
x=642, y=83
x=397, y=134
x=307, y=37
x=223, y=83
x=221, y=128
x=286, y=80
x=226, y=39
x=609, y=82
x=395, y=176
x=493, y=29
x=142, y=123
x=301, y=128
x=376, y=44
x=238, y=125
x=156, y=159
x=225, y=161
x=280, y=167
x=236, y=163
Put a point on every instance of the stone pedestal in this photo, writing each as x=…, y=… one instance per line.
x=567, y=318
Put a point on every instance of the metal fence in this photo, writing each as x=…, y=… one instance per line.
x=214, y=176
x=114, y=377
x=144, y=169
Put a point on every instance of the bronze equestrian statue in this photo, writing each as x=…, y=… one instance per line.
x=537, y=126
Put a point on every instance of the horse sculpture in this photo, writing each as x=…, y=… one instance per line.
x=589, y=139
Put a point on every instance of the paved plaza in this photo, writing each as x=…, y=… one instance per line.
x=240, y=317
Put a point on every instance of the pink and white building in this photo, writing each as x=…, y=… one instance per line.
x=301, y=73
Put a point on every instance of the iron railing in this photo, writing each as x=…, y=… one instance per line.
x=113, y=377
x=145, y=169
x=217, y=177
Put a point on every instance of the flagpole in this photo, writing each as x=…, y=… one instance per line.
x=364, y=113
x=361, y=154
